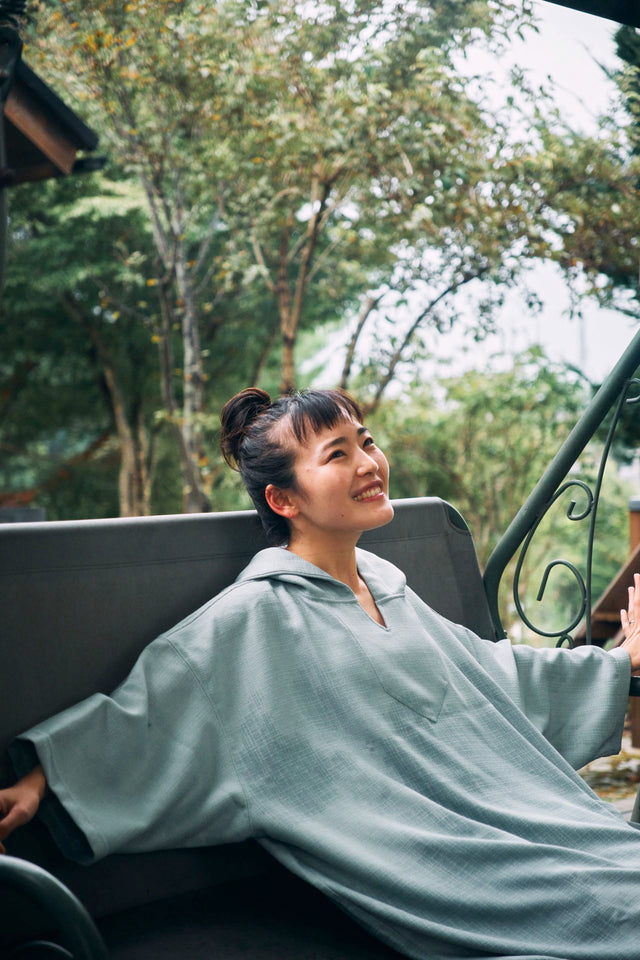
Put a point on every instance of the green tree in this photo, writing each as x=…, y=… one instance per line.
x=293, y=161
x=285, y=168
x=74, y=370
x=587, y=189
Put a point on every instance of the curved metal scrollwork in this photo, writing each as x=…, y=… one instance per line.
x=563, y=635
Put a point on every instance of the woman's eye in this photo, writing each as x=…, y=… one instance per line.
x=369, y=441
x=336, y=454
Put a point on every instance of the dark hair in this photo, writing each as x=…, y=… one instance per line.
x=251, y=444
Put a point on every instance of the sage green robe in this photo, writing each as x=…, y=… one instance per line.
x=421, y=777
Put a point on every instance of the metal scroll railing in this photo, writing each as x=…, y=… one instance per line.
x=619, y=388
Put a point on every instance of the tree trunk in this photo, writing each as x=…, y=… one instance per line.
x=167, y=232
x=254, y=379
x=195, y=499
x=191, y=480
x=287, y=321
x=291, y=307
x=133, y=486
x=132, y=481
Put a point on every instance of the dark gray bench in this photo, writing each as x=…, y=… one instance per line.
x=79, y=600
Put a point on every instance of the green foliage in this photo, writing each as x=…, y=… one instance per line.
x=481, y=441
x=627, y=41
x=312, y=140
x=87, y=488
x=591, y=204
x=61, y=333
x=269, y=165
x=588, y=190
x=274, y=169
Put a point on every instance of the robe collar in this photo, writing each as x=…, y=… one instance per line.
x=276, y=563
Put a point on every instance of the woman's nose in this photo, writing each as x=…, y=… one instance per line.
x=366, y=464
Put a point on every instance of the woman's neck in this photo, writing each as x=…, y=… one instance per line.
x=336, y=559
x=341, y=564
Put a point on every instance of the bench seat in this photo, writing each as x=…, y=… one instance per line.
x=81, y=599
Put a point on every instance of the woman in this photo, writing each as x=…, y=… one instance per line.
x=421, y=777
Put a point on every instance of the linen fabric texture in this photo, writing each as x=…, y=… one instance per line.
x=422, y=777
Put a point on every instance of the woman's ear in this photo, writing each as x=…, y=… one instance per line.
x=280, y=502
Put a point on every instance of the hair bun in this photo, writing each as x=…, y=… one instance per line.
x=237, y=416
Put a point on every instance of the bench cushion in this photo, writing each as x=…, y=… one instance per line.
x=81, y=599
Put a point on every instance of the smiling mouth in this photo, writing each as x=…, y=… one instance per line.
x=368, y=494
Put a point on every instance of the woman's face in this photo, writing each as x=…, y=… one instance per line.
x=342, y=483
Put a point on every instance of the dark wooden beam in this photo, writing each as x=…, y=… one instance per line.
x=620, y=11
x=27, y=115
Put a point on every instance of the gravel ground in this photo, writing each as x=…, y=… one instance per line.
x=616, y=778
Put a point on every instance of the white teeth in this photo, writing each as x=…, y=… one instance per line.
x=373, y=492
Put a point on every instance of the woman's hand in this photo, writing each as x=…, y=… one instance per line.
x=630, y=619
x=19, y=804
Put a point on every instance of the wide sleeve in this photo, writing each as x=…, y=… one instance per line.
x=145, y=768
x=576, y=698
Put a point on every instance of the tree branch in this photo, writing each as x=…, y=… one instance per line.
x=313, y=232
x=257, y=252
x=396, y=357
x=365, y=310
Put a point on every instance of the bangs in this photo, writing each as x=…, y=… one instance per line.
x=316, y=409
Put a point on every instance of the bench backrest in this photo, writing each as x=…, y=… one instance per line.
x=80, y=599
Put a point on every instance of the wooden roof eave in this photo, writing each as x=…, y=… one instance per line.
x=620, y=11
x=43, y=136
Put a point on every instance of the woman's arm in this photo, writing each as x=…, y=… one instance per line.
x=19, y=803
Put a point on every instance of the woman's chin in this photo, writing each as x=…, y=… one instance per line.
x=381, y=516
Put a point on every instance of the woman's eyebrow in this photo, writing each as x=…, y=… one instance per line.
x=338, y=440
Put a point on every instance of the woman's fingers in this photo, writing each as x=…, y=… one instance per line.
x=19, y=804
